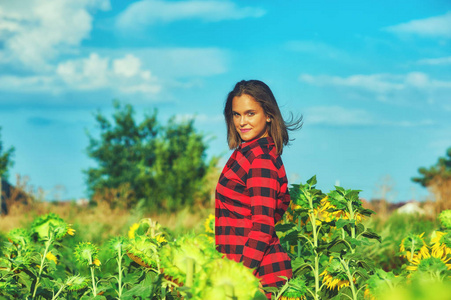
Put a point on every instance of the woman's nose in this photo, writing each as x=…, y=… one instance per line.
x=242, y=121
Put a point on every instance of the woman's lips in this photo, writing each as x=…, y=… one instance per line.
x=245, y=130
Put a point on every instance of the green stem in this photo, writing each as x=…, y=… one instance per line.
x=317, y=287
x=189, y=272
x=308, y=240
x=315, y=243
x=299, y=242
x=350, y=278
x=94, y=286
x=352, y=217
x=59, y=291
x=299, y=248
x=119, y=265
x=62, y=288
x=41, y=266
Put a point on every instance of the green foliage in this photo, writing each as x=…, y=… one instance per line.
x=323, y=234
x=164, y=166
x=5, y=159
x=392, y=232
x=190, y=268
x=445, y=219
x=442, y=169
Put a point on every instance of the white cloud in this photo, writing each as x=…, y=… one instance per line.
x=87, y=74
x=439, y=26
x=378, y=83
x=184, y=62
x=128, y=66
x=413, y=87
x=147, y=12
x=37, y=83
x=124, y=74
x=33, y=32
x=435, y=61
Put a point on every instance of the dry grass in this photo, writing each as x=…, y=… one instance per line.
x=440, y=187
x=97, y=224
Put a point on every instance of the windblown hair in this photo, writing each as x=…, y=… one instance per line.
x=277, y=128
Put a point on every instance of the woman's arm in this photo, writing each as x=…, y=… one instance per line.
x=263, y=186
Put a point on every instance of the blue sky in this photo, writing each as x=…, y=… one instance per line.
x=371, y=78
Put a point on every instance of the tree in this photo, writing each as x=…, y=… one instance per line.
x=180, y=164
x=122, y=147
x=437, y=179
x=5, y=159
x=164, y=166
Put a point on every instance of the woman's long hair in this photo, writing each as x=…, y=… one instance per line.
x=277, y=128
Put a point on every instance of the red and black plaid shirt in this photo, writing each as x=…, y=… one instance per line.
x=251, y=196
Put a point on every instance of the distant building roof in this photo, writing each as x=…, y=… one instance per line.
x=411, y=208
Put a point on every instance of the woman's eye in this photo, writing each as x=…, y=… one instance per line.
x=251, y=114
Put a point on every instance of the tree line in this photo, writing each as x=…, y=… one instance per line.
x=159, y=166
x=165, y=167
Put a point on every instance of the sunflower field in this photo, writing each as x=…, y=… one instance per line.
x=335, y=255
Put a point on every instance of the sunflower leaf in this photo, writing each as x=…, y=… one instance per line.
x=312, y=181
x=372, y=235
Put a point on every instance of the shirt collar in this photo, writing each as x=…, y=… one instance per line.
x=261, y=142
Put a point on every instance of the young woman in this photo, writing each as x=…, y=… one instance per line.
x=252, y=192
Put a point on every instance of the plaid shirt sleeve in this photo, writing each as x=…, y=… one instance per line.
x=263, y=186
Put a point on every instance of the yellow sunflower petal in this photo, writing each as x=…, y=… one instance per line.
x=96, y=262
x=132, y=231
x=50, y=256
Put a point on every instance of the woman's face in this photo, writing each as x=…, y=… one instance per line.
x=249, y=118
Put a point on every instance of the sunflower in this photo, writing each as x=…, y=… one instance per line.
x=340, y=214
x=19, y=236
x=339, y=280
x=145, y=227
x=441, y=243
x=76, y=283
x=132, y=230
x=70, y=231
x=160, y=239
x=86, y=253
x=297, y=290
x=210, y=224
x=223, y=279
x=434, y=262
x=96, y=262
x=143, y=251
x=174, y=257
x=117, y=244
x=413, y=245
x=50, y=256
x=334, y=276
x=329, y=212
x=367, y=295
x=51, y=226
